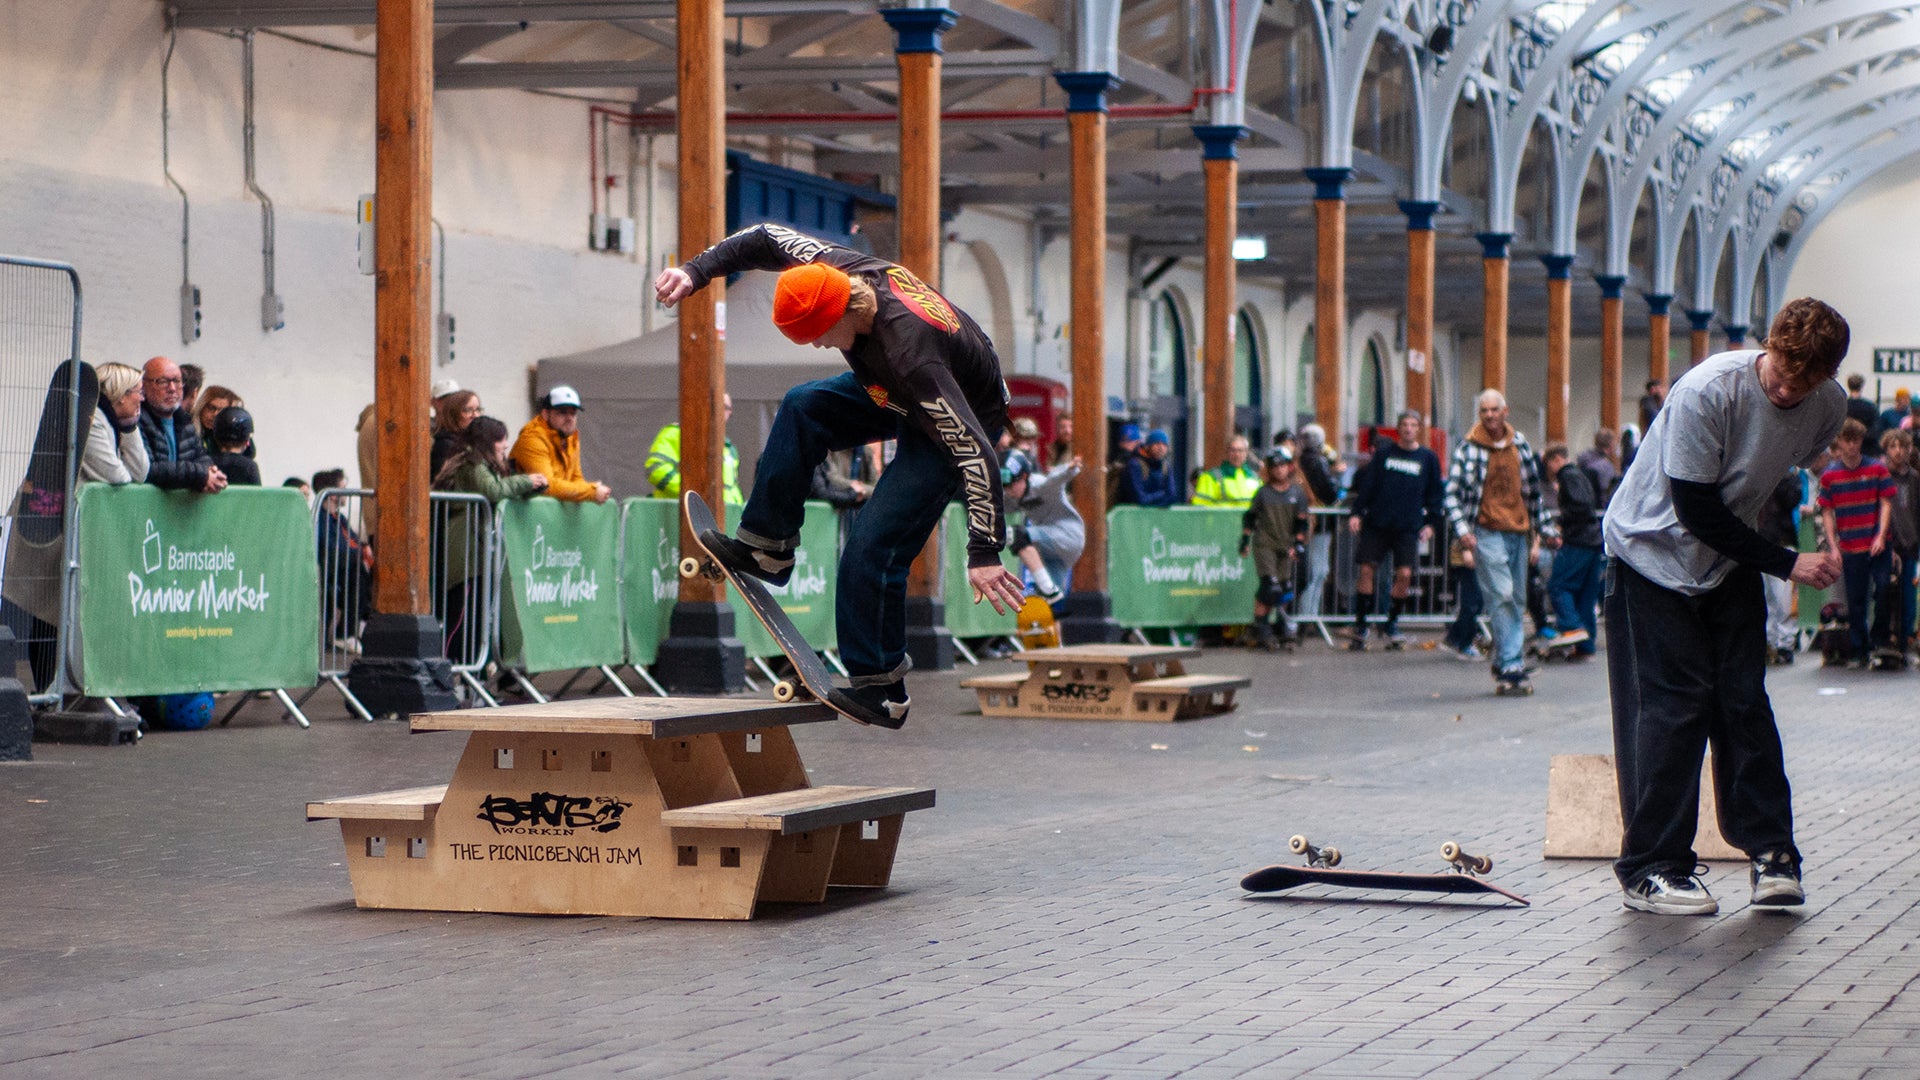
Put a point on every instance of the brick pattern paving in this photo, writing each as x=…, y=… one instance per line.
x=1071, y=908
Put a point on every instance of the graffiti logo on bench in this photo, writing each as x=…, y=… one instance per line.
x=1076, y=691
x=545, y=814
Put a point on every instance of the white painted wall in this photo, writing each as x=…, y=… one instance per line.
x=80, y=166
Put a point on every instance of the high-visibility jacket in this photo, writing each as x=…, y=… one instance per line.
x=663, y=467
x=1227, y=485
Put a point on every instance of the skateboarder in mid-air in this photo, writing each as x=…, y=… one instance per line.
x=1685, y=617
x=923, y=374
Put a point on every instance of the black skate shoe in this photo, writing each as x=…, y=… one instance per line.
x=877, y=706
x=772, y=567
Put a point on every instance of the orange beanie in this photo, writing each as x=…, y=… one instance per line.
x=808, y=300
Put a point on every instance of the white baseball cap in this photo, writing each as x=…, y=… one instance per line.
x=562, y=397
x=443, y=387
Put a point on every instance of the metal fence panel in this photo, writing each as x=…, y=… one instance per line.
x=1330, y=561
x=40, y=380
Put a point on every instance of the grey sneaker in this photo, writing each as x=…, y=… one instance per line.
x=1467, y=652
x=1665, y=892
x=1776, y=880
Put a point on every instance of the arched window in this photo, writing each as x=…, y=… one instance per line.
x=1303, y=404
x=1246, y=363
x=1371, y=405
x=1166, y=349
x=1249, y=401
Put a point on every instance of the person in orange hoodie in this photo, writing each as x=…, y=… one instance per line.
x=550, y=445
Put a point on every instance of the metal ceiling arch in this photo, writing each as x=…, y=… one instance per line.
x=1865, y=132
x=1745, y=74
x=1845, y=174
x=1843, y=123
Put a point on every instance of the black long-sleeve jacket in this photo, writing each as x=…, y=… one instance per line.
x=185, y=469
x=925, y=360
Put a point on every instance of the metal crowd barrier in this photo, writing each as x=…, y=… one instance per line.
x=1330, y=561
x=39, y=460
x=464, y=535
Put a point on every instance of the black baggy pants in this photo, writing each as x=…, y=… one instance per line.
x=1687, y=672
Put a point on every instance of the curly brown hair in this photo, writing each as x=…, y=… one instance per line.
x=1809, y=339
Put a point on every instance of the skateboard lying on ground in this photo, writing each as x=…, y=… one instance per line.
x=815, y=681
x=1462, y=877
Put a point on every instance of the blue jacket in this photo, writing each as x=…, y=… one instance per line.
x=1148, y=483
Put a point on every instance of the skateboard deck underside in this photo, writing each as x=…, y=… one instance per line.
x=812, y=672
x=1278, y=878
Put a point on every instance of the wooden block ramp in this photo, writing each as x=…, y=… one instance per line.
x=1583, y=811
x=1106, y=682
x=695, y=808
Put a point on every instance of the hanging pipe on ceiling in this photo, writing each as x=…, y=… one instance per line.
x=189, y=296
x=272, y=310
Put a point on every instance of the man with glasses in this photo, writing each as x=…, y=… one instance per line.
x=178, y=461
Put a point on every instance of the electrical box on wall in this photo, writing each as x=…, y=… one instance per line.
x=189, y=314
x=608, y=233
x=444, y=325
x=364, y=216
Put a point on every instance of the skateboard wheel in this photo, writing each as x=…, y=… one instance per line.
x=1298, y=845
x=689, y=567
x=785, y=690
x=1330, y=856
x=1450, y=851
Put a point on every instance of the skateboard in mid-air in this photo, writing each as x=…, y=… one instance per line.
x=1462, y=876
x=814, y=680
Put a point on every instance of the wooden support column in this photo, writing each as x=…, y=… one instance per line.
x=1090, y=617
x=917, y=53
x=1559, y=342
x=1659, y=336
x=1495, y=274
x=1221, y=163
x=403, y=667
x=1702, y=337
x=1420, y=249
x=701, y=654
x=1329, y=296
x=1612, y=356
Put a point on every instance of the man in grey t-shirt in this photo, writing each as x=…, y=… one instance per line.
x=1685, y=615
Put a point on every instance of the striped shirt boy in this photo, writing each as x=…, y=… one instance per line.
x=1854, y=495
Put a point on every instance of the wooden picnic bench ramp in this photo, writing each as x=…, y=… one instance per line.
x=1106, y=682
x=695, y=808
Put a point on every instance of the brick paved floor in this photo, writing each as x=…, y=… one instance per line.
x=1071, y=908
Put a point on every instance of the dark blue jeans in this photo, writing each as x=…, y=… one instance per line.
x=1866, y=576
x=1687, y=672
x=893, y=524
x=1466, y=622
x=1575, y=592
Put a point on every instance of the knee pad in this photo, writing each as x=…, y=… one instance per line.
x=1269, y=592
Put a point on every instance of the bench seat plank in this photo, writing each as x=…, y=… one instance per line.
x=659, y=718
x=995, y=682
x=1107, y=654
x=405, y=804
x=1192, y=684
x=803, y=810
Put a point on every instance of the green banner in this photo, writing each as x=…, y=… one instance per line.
x=181, y=592
x=652, y=580
x=966, y=619
x=560, y=606
x=1178, y=567
x=650, y=565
